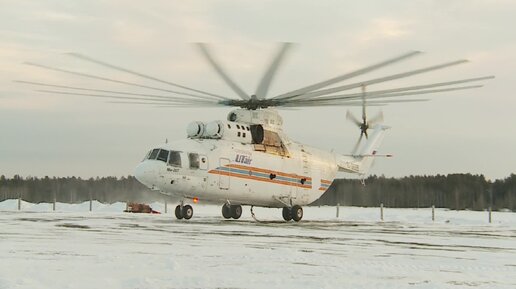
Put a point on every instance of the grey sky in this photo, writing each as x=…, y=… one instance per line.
x=469, y=131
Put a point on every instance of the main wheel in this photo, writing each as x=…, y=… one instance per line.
x=297, y=213
x=287, y=214
x=179, y=214
x=236, y=211
x=226, y=211
x=187, y=212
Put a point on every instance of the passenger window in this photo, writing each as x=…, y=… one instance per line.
x=238, y=126
x=229, y=126
x=162, y=156
x=194, y=160
x=174, y=159
x=154, y=154
x=238, y=134
x=243, y=134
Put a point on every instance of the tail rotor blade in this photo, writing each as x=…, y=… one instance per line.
x=351, y=117
x=355, y=148
x=376, y=119
x=364, y=117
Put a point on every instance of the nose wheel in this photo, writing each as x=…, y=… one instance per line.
x=184, y=212
x=231, y=211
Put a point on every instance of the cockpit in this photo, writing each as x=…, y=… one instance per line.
x=174, y=158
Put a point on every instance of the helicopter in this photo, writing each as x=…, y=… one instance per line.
x=247, y=159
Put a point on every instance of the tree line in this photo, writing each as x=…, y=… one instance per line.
x=76, y=190
x=453, y=191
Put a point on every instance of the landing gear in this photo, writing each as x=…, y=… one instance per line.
x=185, y=212
x=236, y=211
x=226, y=211
x=231, y=211
x=295, y=213
x=287, y=214
x=179, y=213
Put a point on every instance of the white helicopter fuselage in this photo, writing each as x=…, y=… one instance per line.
x=236, y=173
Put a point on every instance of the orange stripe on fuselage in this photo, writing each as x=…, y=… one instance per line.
x=268, y=171
x=242, y=176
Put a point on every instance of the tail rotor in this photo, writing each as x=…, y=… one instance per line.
x=364, y=124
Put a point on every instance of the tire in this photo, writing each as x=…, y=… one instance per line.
x=287, y=214
x=226, y=211
x=187, y=212
x=297, y=213
x=179, y=214
x=236, y=212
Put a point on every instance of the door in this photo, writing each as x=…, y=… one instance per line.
x=224, y=173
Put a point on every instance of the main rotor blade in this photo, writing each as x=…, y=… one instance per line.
x=101, y=90
x=118, y=81
x=377, y=80
x=169, y=105
x=419, y=87
x=356, y=97
x=205, y=52
x=188, y=101
x=345, y=76
x=401, y=89
x=354, y=103
x=102, y=63
x=263, y=87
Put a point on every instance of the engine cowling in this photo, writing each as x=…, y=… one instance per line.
x=195, y=129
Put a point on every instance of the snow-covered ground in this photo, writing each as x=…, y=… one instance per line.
x=75, y=248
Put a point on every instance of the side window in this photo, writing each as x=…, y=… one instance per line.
x=162, y=156
x=174, y=159
x=153, y=154
x=194, y=160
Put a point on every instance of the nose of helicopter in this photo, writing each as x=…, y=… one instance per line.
x=145, y=173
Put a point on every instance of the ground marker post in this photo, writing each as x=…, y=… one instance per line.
x=19, y=202
x=91, y=202
x=490, y=214
x=433, y=213
x=338, y=205
x=381, y=211
x=166, y=206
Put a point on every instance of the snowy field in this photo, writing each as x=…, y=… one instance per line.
x=75, y=248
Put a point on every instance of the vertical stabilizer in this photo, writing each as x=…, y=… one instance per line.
x=361, y=162
x=370, y=147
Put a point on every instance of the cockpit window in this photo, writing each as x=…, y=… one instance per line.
x=147, y=155
x=174, y=159
x=162, y=156
x=153, y=154
x=194, y=160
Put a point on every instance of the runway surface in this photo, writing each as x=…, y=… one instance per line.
x=106, y=249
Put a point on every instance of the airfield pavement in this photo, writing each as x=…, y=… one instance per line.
x=75, y=248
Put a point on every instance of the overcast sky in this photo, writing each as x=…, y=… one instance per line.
x=471, y=131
